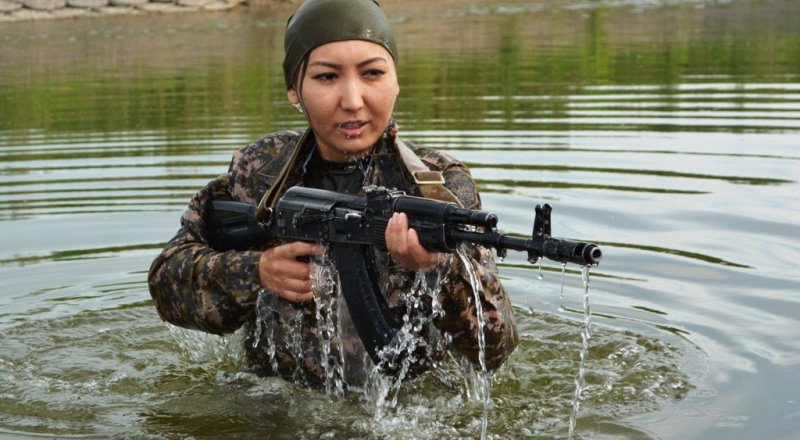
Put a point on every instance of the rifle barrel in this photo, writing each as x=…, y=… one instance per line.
x=563, y=251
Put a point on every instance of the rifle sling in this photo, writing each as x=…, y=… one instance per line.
x=274, y=192
x=430, y=183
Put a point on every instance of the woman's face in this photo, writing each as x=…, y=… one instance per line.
x=348, y=93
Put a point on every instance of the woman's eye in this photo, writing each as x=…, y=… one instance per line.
x=374, y=73
x=325, y=76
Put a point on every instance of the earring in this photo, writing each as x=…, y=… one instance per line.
x=299, y=107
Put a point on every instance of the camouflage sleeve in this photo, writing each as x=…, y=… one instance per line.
x=196, y=287
x=460, y=319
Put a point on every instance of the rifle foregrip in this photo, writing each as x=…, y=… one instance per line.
x=443, y=212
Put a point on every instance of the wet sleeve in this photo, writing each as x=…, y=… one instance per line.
x=457, y=295
x=196, y=287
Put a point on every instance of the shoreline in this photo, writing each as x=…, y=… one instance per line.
x=43, y=10
x=37, y=10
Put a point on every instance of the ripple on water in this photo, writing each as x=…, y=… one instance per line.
x=123, y=372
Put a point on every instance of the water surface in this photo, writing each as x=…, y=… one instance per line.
x=667, y=132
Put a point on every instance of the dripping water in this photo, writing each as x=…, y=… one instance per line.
x=561, y=306
x=540, y=275
x=416, y=333
x=580, y=382
x=265, y=325
x=483, y=383
x=260, y=325
x=270, y=322
x=296, y=332
x=323, y=284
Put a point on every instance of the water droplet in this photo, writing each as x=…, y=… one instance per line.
x=540, y=275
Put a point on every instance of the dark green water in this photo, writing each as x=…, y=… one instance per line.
x=668, y=132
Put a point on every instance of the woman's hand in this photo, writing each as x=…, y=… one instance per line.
x=403, y=244
x=281, y=273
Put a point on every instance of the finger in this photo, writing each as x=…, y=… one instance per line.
x=391, y=231
x=300, y=248
x=279, y=270
x=297, y=297
x=288, y=287
x=397, y=234
x=412, y=243
x=294, y=284
x=421, y=256
x=291, y=268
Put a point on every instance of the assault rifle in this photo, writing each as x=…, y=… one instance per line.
x=350, y=225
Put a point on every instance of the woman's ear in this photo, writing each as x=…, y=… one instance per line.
x=292, y=96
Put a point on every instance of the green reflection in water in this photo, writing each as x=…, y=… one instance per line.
x=243, y=90
x=659, y=173
x=486, y=184
x=691, y=255
x=79, y=254
x=187, y=163
x=200, y=177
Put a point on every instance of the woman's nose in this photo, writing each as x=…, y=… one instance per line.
x=352, y=95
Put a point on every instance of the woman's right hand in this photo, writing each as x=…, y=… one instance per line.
x=280, y=272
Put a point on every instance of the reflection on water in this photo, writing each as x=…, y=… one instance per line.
x=665, y=131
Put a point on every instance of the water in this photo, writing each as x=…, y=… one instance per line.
x=483, y=382
x=324, y=282
x=667, y=132
x=586, y=334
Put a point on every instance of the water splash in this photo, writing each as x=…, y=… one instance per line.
x=416, y=337
x=200, y=346
x=324, y=282
x=276, y=325
x=265, y=325
x=296, y=345
x=580, y=381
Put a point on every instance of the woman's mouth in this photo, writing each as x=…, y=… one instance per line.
x=352, y=129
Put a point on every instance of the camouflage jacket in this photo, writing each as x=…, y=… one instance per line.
x=196, y=287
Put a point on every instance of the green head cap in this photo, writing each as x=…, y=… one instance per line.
x=318, y=22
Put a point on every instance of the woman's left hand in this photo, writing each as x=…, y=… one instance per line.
x=403, y=244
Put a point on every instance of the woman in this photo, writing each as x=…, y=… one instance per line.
x=340, y=71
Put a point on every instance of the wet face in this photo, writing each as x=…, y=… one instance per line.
x=348, y=93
